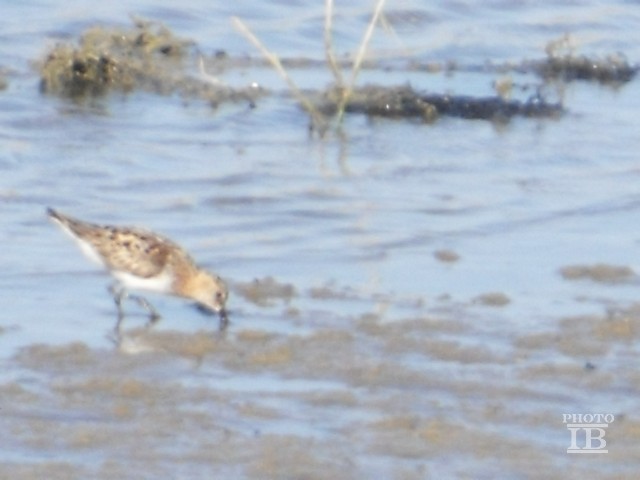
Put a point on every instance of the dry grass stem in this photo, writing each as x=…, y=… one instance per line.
x=328, y=44
x=317, y=119
x=345, y=91
x=365, y=42
x=357, y=64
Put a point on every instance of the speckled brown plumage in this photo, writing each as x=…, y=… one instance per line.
x=133, y=250
x=141, y=259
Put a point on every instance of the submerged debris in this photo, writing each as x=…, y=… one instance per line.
x=148, y=57
x=395, y=102
x=562, y=63
x=613, y=69
x=404, y=102
x=492, y=108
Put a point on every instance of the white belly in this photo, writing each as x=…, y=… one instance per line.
x=160, y=283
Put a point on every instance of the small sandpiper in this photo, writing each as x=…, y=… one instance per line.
x=142, y=260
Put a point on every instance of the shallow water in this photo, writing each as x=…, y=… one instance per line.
x=357, y=349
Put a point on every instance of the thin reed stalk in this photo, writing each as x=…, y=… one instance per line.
x=357, y=64
x=344, y=90
x=317, y=119
x=328, y=44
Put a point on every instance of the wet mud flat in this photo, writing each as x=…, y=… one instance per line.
x=410, y=397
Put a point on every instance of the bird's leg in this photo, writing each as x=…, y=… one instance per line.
x=119, y=294
x=154, y=316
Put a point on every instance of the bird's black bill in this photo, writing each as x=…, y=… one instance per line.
x=204, y=309
x=224, y=318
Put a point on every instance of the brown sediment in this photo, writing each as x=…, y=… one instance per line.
x=195, y=345
x=599, y=272
x=330, y=291
x=264, y=291
x=446, y=256
x=401, y=391
x=492, y=299
x=617, y=325
x=270, y=357
x=64, y=357
x=51, y=469
x=587, y=336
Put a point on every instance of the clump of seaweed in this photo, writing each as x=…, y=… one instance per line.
x=562, y=63
x=405, y=102
x=75, y=73
x=493, y=108
x=147, y=57
x=374, y=100
x=114, y=59
x=613, y=69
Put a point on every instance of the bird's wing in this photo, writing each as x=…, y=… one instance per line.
x=137, y=252
x=131, y=250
